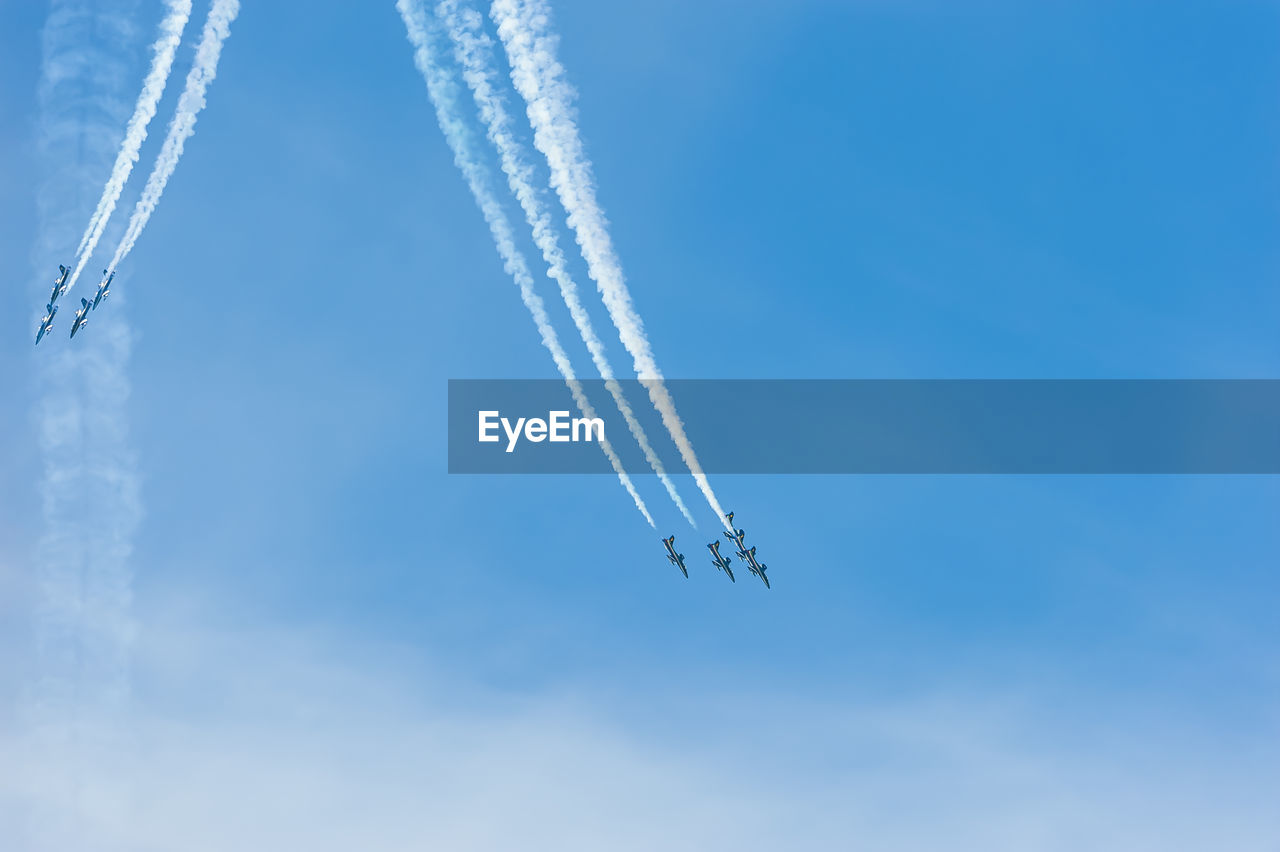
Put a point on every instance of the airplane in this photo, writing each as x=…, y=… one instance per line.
x=756, y=568
x=721, y=562
x=60, y=286
x=676, y=559
x=735, y=536
x=103, y=288
x=82, y=316
x=46, y=324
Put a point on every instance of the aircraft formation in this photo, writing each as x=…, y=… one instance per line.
x=82, y=315
x=546, y=102
x=735, y=536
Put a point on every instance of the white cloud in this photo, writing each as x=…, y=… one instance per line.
x=253, y=740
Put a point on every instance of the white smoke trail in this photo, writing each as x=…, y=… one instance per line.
x=77, y=697
x=444, y=95
x=165, y=47
x=216, y=29
x=473, y=50
x=524, y=29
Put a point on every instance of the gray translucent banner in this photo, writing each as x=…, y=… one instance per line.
x=879, y=426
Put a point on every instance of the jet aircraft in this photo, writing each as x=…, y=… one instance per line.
x=757, y=568
x=103, y=288
x=82, y=316
x=46, y=324
x=60, y=285
x=721, y=562
x=676, y=559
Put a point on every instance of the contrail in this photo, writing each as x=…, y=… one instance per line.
x=171, y=27
x=473, y=50
x=76, y=702
x=523, y=26
x=216, y=29
x=443, y=92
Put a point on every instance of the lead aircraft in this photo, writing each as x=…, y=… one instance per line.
x=46, y=324
x=757, y=568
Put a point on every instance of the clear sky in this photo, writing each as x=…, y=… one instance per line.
x=339, y=644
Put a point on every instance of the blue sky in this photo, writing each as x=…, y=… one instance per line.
x=796, y=189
